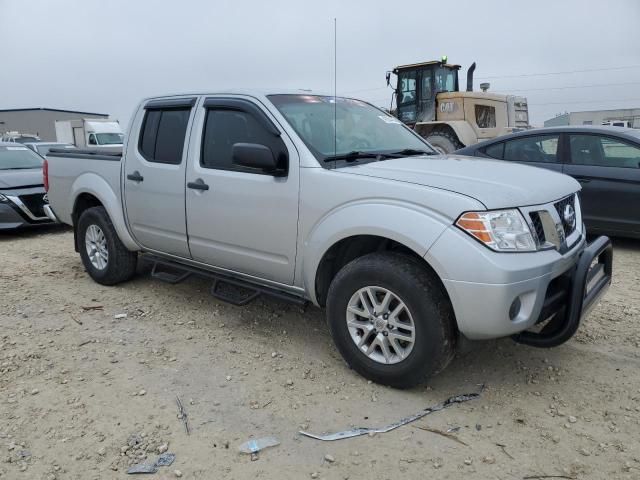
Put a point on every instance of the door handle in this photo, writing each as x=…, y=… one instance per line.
x=198, y=185
x=583, y=180
x=135, y=176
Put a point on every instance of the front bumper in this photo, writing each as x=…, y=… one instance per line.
x=15, y=213
x=572, y=299
x=483, y=285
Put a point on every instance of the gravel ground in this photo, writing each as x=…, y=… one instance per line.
x=85, y=392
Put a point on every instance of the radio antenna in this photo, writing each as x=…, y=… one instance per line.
x=335, y=87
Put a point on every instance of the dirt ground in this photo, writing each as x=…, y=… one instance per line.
x=84, y=393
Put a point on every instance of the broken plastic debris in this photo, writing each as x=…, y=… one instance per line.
x=118, y=316
x=254, y=446
x=143, y=468
x=356, y=432
x=163, y=460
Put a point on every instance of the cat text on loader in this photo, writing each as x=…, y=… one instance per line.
x=429, y=100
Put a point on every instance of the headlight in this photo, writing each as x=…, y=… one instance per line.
x=3, y=199
x=500, y=230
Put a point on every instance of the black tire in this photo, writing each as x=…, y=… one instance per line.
x=443, y=141
x=424, y=297
x=121, y=263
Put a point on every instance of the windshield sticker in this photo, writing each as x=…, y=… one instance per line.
x=388, y=119
x=17, y=148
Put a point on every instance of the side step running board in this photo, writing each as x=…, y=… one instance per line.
x=226, y=288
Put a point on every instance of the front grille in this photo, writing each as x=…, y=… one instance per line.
x=35, y=203
x=539, y=228
x=567, y=225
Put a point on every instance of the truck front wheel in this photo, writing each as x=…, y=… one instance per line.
x=444, y=142
x=104, y=256
x=390, y=319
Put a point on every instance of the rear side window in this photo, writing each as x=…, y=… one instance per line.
x=224, y=128
x=495, y=151
x=539, y=148
x=485, y=116
x=603, y=152
x=163, y=135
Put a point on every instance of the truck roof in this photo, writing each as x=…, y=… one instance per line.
x=247, y=92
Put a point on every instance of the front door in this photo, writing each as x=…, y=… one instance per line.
x=238, y=218
x=154, y=176
x=609, y=170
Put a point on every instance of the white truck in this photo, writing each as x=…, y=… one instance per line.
x=408, y=250
x=90, y=132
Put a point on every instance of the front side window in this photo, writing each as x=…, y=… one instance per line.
x=486, y=116
x=445, y=80
x=19, y=158
x=163, y=135
x=407, y=91
x=603, y=152
x=539, y=148
x=223, y=128
x=352, y=126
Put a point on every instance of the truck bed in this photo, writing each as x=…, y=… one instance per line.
x=72, y=172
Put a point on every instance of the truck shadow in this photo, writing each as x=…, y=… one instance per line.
x=32, y=232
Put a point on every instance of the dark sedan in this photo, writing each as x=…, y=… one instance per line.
x=22, y=196
x=605, y=160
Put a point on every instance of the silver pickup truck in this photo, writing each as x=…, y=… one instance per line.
x=332, y=201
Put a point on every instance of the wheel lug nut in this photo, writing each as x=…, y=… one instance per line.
x=385, y=316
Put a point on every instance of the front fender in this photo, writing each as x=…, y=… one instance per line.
x=411, y=225
x=95, y=185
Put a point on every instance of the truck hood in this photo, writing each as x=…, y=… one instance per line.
x=495, y=183
x=20, y=178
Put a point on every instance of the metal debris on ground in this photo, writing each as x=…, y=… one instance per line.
x=450, y=436
x=356, y=432
x=254, y=446
x=163, y=460
x=182, y=414
x=92, y=307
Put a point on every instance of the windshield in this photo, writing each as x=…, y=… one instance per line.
x=109, y=138
x=358, y=127
x=18, y=158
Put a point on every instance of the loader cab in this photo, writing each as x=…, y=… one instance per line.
x=417, y=87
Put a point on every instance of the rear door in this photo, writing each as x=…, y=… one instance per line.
x=535, y=150
x=154, y=175
x=238, y=218
x=609, y=170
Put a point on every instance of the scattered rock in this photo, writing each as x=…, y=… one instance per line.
x=35, y=391
x=163, y=448
x=572, y=419
x=177, y=473
x=329, y=458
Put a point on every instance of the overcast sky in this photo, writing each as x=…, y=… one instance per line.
x=104, y=56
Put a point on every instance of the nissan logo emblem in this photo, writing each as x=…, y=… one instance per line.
x=569, y=216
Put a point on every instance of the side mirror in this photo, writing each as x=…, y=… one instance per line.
x=388, y=78
x=256, y=156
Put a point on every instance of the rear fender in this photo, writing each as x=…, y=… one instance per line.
x=98, y=187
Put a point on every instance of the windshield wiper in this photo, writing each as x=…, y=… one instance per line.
x=353, y=156
x=408, y=152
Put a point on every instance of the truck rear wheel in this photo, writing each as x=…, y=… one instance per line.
x=443, y=141
x=390, y=319
x=104, y=256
